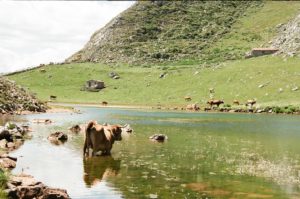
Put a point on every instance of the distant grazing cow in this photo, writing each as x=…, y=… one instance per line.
x=187, y=98
x=53, y=97
x=192, y=107
x=215, y=102
x=104, y=103
x=236, y=102
x=250, y=102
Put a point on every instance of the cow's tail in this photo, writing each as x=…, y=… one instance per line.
x=87, y=141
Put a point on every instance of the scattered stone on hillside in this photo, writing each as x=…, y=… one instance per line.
x=24, y=186
x=295, y=88
x=58, y=137
x=127, y=128
x=288, y=38
x=162, y=75
x=114, y=75
x=256, y=52
x=158, y=137
x=15, y=99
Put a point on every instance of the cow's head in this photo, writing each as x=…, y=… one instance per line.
x=117, y=132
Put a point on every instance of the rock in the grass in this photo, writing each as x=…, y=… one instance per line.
x=158, y=137
x=113, y=74
x=295, y=88
x=25, y=186
x=127, y=128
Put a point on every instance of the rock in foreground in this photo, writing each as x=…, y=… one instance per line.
x=25, y=186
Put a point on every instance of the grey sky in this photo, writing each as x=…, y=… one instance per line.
x=34, y=32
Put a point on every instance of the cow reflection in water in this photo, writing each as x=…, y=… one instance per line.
x=99, y=168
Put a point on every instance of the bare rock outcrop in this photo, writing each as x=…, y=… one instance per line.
x=25, y=186
x=288, y=39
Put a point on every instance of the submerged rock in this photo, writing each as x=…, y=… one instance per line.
x=75, y=128
x=58, y=137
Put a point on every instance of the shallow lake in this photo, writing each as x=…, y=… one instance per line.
x=207, y=155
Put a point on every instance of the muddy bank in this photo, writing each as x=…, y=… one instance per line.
x=290, y=109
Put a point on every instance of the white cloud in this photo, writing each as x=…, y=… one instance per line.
x=35, y=32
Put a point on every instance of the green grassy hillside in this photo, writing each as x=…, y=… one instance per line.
x=201, y=60
x=239, y=80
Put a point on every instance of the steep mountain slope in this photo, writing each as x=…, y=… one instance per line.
x=164, y=31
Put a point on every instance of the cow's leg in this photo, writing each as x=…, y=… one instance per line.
x=85, y=147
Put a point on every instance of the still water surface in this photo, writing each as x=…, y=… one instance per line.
x=207, y=155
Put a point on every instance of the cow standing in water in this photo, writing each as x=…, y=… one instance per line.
x=101, y=138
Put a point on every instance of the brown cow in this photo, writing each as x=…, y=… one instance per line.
x=250, y=102
x=236, y=102
x=101, y=138
x=187, y=98
x=104, y=103
x=215, y=102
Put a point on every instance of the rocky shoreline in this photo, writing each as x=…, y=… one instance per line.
x=22, y=186
x=15, y=99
